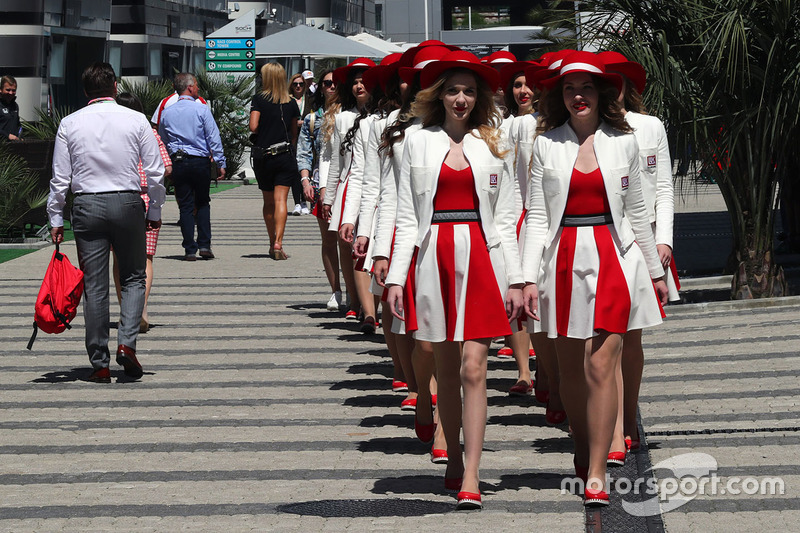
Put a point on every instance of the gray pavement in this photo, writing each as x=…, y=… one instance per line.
x=259, y=410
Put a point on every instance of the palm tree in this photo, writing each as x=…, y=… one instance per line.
x=724, y=75
x=229, y=101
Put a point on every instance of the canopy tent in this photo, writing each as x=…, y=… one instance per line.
x=376, y=42
x=305, y=41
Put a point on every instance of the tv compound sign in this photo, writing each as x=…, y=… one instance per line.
x=232, y=48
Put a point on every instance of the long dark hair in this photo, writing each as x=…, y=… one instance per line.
x=318, y=100
x=349, y=101
x=553, y=112
x=395, y=133
x=391, y=98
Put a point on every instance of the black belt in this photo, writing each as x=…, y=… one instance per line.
x=180, y=155
x=576, y=221
x=105, y=192
x=456, y=216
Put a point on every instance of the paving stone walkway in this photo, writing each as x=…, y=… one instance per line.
x=260, y=410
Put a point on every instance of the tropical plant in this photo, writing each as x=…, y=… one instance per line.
x=149, y=93
x=18, y=190
x=724, y=75
x=46, y=125
x=228, y=98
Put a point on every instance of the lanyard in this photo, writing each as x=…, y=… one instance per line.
x=100, y=100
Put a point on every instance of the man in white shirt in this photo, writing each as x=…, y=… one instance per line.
x=168, y=101
x=96, y=156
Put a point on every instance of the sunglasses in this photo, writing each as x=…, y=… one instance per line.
x=298, y=84
x=327, y=83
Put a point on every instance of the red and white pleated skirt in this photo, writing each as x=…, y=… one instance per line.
x=337, y=209
x=458, y=286
x=588, y=286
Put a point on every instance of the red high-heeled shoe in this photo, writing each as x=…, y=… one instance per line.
x=468, y=500
x=409, y=404
x=616, y=459
x=632, y=445
x=439, y=457
x=595, y=497
x=424, y=432
x=554, y=417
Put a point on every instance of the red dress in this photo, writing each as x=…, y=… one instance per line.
x=456, y=292
x=588, y=284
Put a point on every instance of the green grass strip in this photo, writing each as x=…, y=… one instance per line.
x=8, y=255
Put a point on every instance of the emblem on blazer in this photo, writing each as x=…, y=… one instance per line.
x=651, y=160
x=492, y=180
x=624, y=182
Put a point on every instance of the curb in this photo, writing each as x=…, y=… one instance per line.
x=757, y=303
x=35, y=245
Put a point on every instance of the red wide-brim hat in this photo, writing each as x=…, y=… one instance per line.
x=616, y=62
x=587, y=62
x=415, y=59
x=551, y=63
x=381, y=74
x=459, y=59
x=340, y=74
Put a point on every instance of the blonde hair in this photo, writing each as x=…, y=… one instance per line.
x=333, y=109
x=485, y=117
x=291, y=81
x=273, y=84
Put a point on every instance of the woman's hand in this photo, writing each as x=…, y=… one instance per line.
x=514, y=302
x=394, y=299
x=380, y=269
x=530, y=296
x=308, y=190
x=360, y=247
x=661, y=290
x=326, y=210
x=665, y=255
x=346, y=232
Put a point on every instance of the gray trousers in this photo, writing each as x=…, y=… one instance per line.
x=102, y=221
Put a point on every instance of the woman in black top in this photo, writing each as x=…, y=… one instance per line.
x=273, y=118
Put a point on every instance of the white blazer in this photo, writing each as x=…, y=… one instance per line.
x=554, y=156
x=338, y=165
x=654, y=158
x=355, y=181
x=424, y=154
x=374, y=161
x=387, y=203
x=522, y=135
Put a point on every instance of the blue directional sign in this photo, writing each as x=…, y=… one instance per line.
x=226, y=44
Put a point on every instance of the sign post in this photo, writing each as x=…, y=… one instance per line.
x=232, y=48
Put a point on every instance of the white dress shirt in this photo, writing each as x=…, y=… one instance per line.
x=98, y=149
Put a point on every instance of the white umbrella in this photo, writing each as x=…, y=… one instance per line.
x=375, y=42
x=305, y=41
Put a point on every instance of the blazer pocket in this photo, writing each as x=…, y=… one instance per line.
x=421, y=180
x=489, y=177
x=620, y=180
x=551, y=182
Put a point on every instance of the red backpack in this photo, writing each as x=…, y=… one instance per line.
x=57, y=303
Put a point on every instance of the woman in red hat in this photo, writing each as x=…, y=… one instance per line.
x=518, y=98
x=456, y=207
x=590, y=260
x=341, y=125
x=400, y=124
x=659, y=199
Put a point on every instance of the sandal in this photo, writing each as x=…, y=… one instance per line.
x=279, y=255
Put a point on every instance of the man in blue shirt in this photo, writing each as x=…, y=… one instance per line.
x=192, y=137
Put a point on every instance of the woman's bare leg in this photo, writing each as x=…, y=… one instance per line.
x=346, y=262
x=448, y=377
x=268, y=212
x=473, y=379
x=281, y=194
x=520, y=342
x=330, y=255
x=632, y=369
